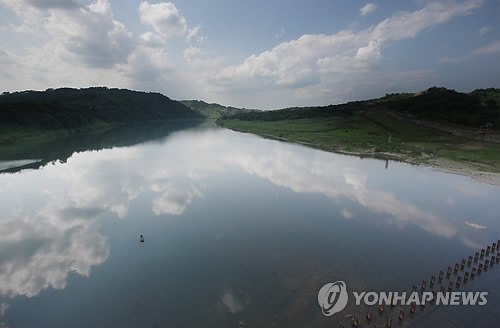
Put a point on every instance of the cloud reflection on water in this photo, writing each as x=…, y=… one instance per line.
x=49, y=224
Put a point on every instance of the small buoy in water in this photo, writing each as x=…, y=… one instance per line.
x=142, y=239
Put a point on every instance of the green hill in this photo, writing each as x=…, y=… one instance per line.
x=426, y=127
x=73, y=108
x=475, y=109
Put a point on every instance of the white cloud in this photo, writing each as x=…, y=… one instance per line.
x=164, y=17
x=147, y=64
x=492, y=48
x=91, y=34
x=152, y=40
x=483, y=30
x=86, y=45
x=311, y=58
x=192, y=33
x=367, y=9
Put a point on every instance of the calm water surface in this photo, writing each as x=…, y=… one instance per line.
x=240, y=231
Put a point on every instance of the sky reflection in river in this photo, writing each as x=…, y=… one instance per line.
x=70, y=217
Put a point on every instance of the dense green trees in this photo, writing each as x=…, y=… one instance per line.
x=475, y=109
x=74, y=108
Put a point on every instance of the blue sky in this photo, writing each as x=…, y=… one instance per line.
x=258, y=54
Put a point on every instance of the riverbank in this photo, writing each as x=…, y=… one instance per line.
x=386, y=137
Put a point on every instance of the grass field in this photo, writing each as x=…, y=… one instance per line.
x=369, y=134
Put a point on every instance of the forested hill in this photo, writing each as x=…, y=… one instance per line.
x=68, y=108
x=476, y=109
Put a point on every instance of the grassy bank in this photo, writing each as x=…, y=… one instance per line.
x=368, y=134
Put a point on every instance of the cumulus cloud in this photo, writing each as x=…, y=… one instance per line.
x=147, y=64
x=305, y=61
x=164, y=17
x=367, y=9
x=85, y=45
x=87, y=34
x=151, y=40
x=92, y=34
x=193, y=32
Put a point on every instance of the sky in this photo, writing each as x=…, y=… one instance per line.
x=253, y=54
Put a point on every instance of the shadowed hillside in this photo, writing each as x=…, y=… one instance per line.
x=67, y=108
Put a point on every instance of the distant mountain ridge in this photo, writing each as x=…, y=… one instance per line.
x=212, y=110
x=68, y=108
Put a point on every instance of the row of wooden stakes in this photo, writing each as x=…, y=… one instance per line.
x=481, y=267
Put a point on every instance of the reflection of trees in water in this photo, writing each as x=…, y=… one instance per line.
x=120, y=136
